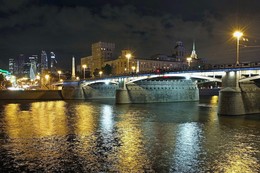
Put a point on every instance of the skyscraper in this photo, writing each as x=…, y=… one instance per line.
x=11, y=65
x=32, y=66
x=19, y=66
x=44, y=61
x=53, y=62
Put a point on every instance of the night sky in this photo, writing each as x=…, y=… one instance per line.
x=69, y=27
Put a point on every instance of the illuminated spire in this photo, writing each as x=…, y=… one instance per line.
x=73, y=69
x=193, y=53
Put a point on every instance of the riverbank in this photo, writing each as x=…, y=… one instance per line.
x=31, y=95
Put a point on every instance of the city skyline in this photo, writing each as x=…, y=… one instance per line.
x=150, y=27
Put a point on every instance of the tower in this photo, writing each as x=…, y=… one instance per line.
x=11, y=65
x=44, y=61
x=53, y=60
x=179, y=51
x=73, y=69
x=193, y=52
x=19, y=67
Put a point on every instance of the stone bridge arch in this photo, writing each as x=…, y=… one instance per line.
x=187, y=76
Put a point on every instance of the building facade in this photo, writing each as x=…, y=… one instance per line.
x=127, y=63
x=11, y=65
x=155, y=64
x=101, y=52
x=44, y=61
x=179, y=52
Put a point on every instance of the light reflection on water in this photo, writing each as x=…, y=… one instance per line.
x=99, y=136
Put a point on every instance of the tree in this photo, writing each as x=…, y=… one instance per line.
x=96, y=72
x=107, y=70
x=2, y=80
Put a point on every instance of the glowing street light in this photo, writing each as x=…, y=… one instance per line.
x=133, y=69
x=128, y=56
x=59, y=72
x=100, y=73
x=238, y=35
x=84, y=69
x=47, y=79
x=189, y=61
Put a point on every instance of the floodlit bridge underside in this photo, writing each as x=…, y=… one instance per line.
x=201, y=77
x=147, y=88
x=128, y=80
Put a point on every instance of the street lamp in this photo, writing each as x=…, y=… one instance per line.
x=59, y=72
x=189, y=61
x=84, y=69
x=128, y=56
x=47, y=79
x=100, y=73
x=133, y=69
x=237, y=34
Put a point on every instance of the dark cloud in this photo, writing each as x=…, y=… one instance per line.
x=70, y=27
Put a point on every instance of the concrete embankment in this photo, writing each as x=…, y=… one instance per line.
x=31, y=95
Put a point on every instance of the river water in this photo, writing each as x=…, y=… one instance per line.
x=100, y=136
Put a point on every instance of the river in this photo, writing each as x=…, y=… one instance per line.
x=101, y=136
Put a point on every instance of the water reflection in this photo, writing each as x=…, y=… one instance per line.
x=31, y=135
x=38, y=121
x=78, y=136
x=187, y=149
x=85, y=120
x=132, y=156
x=107, y=121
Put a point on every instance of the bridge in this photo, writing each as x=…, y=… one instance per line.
x=240, y=86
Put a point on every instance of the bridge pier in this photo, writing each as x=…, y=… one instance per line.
x=152, y=91
x=72, y=91
x=122, y=94
x=238, y=98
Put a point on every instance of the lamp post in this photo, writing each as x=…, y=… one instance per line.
x=47, y=79
x=84, y=69
x=237, y=34
x=128, y=56
x=100, y=73
x=133, y=69
x=59, y=72
x=189, y=61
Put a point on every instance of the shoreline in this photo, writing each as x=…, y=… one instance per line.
x=31, y=95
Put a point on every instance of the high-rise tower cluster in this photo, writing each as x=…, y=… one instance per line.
x=30, y=66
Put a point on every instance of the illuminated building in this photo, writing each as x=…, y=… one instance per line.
x=33, y=61
x=102, y=55
x=193, y=52
x=193, y=60
x=44, y=61
x=53, y=62
x=155, y=63
x=101, y=52
x=11, y=65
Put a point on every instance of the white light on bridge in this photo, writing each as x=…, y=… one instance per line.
x=232, y=73
x=187, y=77
x=107, y=82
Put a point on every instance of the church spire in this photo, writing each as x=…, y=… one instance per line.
x=193, y=53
